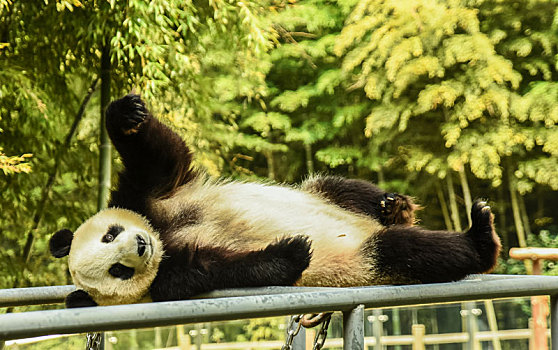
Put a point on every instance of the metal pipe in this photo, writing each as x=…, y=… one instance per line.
x=30, y=324
x=34, y=295
x=56, y=294
x=353, y=329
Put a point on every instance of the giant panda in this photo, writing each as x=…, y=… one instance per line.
x=170, y=232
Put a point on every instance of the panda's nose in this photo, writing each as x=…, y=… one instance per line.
x=141, y=245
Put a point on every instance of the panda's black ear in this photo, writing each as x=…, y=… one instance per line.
x=79, y=298
x=60, y=243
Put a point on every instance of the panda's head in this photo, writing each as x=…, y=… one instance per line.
x=113, y=258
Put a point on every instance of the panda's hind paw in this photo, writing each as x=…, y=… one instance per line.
x=127, y=114
x=397, y=209
x=483, y=235
x=481, y=216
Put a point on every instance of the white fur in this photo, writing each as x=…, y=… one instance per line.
x=247, y=216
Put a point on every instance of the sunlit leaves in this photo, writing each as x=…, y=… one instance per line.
x=335, y=156
x=14, y=164
x=453, y=62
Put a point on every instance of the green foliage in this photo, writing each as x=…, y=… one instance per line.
x=14, y=164
x=401, y=93
x=261, y=329
x=50, y=52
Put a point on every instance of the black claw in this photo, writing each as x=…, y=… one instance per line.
x=127, y=114
x=387, y=203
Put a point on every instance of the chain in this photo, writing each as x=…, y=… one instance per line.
x=292, y=331
x=298, y=321
x=94, y=341
x=321, y=336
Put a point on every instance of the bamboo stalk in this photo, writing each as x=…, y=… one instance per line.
x=492, y=324
x=105, y=145
x=466, y=192
x=444, y=206
x=516, y=214
x=270, y=165
x=453, y=202
x=309, y=158
x=517, y=219
x=524, y=216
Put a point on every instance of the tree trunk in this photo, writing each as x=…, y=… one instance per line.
x=515, y=210
x=105, y=146
x=309, y=158
x=453, y=203
x=270, y=165
x=524, y=216
x=444, y=206
x=517, y=218
x=466, y=192
x=502, y=217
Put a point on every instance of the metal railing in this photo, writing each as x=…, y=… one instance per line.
x=262, y=302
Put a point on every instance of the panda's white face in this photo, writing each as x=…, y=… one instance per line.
x=114, y=256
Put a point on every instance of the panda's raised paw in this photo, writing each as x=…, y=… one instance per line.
x=127, y=114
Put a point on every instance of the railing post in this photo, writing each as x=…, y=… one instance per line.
x=554, y=321
x=353, y=329
x=418, y=331
x=299, y=341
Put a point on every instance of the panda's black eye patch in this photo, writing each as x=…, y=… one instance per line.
x=120, y=271
x=111, y=234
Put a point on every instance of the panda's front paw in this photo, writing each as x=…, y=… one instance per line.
x=127, y=115
x=290, y=256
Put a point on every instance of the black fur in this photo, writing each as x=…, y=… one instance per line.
x=364, y=198
x=60, y=243
x=112, y=233
x=413, y=254
x=156, y=160
x=188, y=216
x=121, y=271
x=79, y=298
x=189, y=272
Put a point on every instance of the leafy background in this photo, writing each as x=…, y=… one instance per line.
x=447, y=101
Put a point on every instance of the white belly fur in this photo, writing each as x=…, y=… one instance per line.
x=247, y=216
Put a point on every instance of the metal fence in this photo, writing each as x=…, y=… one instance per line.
x=262, y=302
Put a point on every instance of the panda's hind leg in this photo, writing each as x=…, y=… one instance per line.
x=364, y=198
x=404, y=254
